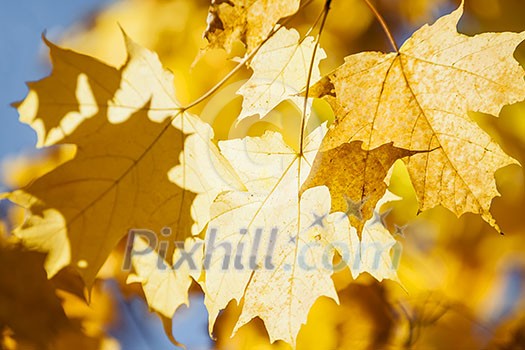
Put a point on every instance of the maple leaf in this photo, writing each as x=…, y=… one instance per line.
x=280, y=71
x=355, y=177
x=112, y=185
x=129, y=132
x=281, y=244
x=272, y=172
x=247, y=21
x=419, y=98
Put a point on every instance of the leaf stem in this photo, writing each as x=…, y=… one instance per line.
x=326, y=10
x=217, y=86
x=383, y=24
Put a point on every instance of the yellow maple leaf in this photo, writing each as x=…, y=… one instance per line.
x=355, y=177
x=280, y=71
x=112, y=185
x=272, y=172
x=419, y=98
x=247, y=21
x=272, y=248
x=129, y=132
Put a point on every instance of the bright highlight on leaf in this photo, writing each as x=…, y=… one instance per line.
x=280, y=72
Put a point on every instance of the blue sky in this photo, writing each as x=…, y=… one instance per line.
x=24, y=58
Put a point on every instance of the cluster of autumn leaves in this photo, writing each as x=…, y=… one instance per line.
x=144, y=160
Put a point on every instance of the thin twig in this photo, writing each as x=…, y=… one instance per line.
x=383, y=24
x=326, y=10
